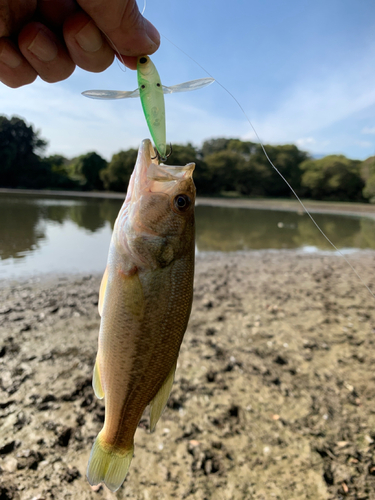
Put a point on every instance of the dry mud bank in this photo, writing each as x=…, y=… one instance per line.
x=274, y=394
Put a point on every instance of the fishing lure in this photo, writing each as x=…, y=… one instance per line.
x=151, y=92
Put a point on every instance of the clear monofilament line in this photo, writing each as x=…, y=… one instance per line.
x=123, y=67
x=276, y=169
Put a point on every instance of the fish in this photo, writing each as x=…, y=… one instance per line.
x=145, y=302
x=151, y=92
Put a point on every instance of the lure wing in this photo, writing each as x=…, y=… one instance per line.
x=111, y=94
x=188, y=86
x=123, y=94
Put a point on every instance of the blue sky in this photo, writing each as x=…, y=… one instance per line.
x=303, y=71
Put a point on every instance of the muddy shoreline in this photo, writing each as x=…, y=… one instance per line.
x=274, y=394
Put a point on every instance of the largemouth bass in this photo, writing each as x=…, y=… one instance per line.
x=144, y=302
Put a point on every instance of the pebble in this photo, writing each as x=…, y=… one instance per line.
x=9, y=464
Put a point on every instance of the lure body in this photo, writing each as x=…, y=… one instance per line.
x=151, y=92
x=152, y=99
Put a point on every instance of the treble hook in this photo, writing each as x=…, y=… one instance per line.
x=162, y=158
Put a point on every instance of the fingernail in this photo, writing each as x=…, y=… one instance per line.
x=43, y=47
x=89, y=38
x=10, y=57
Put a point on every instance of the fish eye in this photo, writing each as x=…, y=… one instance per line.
x=182, y=202
x=143, y=86
x=143, y=60
x=158, y=84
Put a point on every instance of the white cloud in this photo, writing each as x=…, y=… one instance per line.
x=365, y=144
x=322, y=108
x=304, y=142
x=315, y=107
x=368, y=130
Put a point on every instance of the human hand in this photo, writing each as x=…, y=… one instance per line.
x=50, y=37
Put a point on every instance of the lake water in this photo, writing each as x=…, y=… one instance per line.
x=44, y=234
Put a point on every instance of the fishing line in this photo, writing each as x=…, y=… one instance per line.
x=274, y=167
x=123, y=68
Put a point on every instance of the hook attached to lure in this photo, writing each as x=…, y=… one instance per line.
x=163, y=158
x=151, y=92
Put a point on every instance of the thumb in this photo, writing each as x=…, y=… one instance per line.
x=124, y=25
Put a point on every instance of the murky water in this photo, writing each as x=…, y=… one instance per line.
x=52, y=234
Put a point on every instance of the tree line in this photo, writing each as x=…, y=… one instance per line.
x=223, y=167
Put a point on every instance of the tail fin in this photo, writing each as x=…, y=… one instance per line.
x=108, y=466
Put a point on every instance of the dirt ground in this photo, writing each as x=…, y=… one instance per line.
x=274, y=395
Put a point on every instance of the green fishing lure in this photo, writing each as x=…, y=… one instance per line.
x=151, y=92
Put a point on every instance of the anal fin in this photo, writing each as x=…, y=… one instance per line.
x=157, y=405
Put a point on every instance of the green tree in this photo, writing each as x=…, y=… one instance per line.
x=367, y=168
x=333, y=177
x=368, y=176
x=287, y=159
x=57, y=173
x=223, y=167
x=181, y=154
x=87, y=168
x=369, y=189
x=214, y=146
x=251, y=173
x=245, y=148
x=58, y=163
x=20, y=166
x=117, y=173
x=184, y=154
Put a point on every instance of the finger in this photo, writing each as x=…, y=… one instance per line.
x=14, y=13
x=86, y=44
x=129, y=61
x=55, y=12
x=15, y=71
x=45, y=53
x=122, y=22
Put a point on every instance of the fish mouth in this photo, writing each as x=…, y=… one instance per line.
x=151, y=176
x=138, y=178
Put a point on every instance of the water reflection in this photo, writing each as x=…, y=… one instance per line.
x=40, y=231
x=24, y=220
x=20, y=229
x=231, y=229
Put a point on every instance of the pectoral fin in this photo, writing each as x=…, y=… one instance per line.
x=96, y=382
x=157, y=405
x=133, y=296
x=103, y=286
